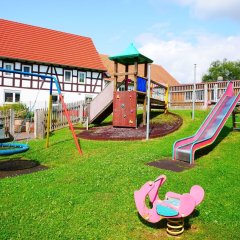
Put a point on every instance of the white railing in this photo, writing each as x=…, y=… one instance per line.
x=208, y=93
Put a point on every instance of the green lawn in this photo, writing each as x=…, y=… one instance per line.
x=91, y=197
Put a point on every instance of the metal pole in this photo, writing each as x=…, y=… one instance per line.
x=87, y=123
x=148, y=101
x=194, y=91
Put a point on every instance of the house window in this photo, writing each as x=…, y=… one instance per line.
x=26, y=69
x=11, y=97
x=54, y=99
x=200, y=95
x=188, y=96
x=17, y=97
x=8, y=66
x=213, y=95
x=88, y=99
x=81, y=77
x=67, y=76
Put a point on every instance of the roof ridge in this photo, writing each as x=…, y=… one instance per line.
x=43, y=28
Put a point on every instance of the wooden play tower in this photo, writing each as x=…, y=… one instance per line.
x=125, y=102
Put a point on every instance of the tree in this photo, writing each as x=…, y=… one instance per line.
x=228, y=70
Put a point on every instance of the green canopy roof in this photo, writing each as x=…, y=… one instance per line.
x=130, y=56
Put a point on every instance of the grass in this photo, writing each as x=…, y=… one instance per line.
x=91, y=197
x=155, y=117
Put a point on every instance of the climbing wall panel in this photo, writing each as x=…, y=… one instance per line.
x=125, y=109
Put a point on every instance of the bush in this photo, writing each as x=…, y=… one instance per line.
x=21, y=110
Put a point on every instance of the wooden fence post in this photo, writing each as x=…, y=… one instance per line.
x=215, y=92
x=39, y=131
x=169, y=96
x=81, y=109
x=205, y=95
x=11, y=121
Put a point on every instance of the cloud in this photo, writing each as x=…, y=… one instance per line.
x=178, y=56
x=208, y=9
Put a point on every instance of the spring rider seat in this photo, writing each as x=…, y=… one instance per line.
x=175, y=207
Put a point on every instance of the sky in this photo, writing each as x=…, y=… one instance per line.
x=175, y=34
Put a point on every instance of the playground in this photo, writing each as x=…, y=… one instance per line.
x=91, y=196
x=114, y=147
x=118, y=185
x=114, y=189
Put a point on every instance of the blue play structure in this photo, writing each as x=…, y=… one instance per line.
x=141, y=84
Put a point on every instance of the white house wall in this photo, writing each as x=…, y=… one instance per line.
x=40, y=100
x=27, y=96
x=28, y=86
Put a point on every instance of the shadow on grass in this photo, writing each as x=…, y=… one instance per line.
x=206, y=150
x=59, y=142
x=161, y=224
x=153, y=115
x=187, y=224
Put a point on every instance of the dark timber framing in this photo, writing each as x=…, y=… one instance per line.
x=93, y=82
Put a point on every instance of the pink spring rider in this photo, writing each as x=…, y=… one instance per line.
x=175, y=207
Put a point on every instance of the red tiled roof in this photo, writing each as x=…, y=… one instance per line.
x=158, y=73
x=26, y=42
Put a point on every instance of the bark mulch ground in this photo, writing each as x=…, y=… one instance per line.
x=119, y=133
x=15, y=167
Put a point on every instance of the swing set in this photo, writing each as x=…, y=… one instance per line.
x=13, y=148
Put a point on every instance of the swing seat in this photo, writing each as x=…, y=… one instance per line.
x=12, y=148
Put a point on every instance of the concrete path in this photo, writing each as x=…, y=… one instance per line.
x=23, y=136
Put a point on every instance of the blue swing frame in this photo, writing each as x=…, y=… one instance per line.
x=21, y=147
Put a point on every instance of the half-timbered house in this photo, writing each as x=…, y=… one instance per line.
x=72, y=59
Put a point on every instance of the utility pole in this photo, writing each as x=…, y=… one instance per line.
x=194, y=91
x=148, y=101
